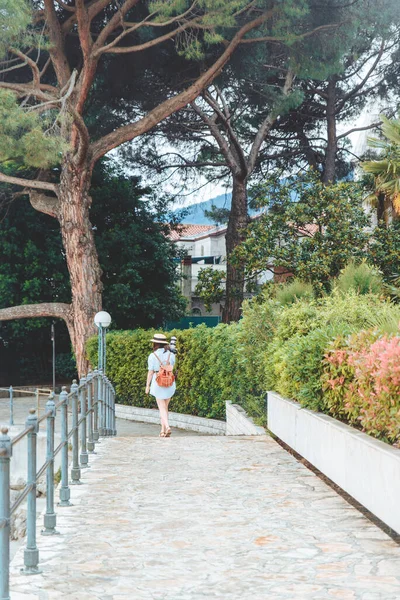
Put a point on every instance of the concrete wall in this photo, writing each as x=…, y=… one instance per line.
x=189, y=422
x=239, y=423
x=365, y=468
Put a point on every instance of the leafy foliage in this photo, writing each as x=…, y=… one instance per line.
x=361, y=278
x=386, y=170
x=139, y=272
x=15, y=16
x=384, y=250
x=309, y=229
x=208, y=368
x=296, y=336
x=362, y=382
x=136, y=257
x=25, y=137
x=293, y=291
x=209, y=287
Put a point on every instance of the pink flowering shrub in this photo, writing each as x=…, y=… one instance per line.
x=361, y=382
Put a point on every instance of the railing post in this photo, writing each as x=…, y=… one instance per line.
x=107, y=406
x=109, y=424
x=65, y=492
x=101, y=403
x=84, y=458
x=37, y=402
x=50, y=516
x=75, y=470
x=90, y=441
x=31, y=552
x=113, y=429
x=5, y=457
x=96, y=406
x=11, y=391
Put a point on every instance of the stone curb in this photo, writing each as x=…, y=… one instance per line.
x=178, y=420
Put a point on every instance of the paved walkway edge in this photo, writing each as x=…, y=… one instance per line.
x=179, y=420
x=365, y=468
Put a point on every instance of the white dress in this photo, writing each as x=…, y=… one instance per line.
x=161, y=393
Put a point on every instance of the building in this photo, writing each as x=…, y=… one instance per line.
x=204, y=246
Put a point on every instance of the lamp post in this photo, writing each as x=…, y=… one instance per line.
x=102, y=320
x=53, y=340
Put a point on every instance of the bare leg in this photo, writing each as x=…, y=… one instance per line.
x=163, y=414
x=166, y=409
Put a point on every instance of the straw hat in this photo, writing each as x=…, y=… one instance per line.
x=159, y=338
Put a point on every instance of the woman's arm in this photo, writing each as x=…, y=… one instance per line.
x=149, y=378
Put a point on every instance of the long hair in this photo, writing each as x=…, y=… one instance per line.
x=157, y=345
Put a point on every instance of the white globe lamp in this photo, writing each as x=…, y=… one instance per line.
x=102, y=319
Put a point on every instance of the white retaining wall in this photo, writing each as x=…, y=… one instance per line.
x=365, y=468
x=189, y=422
x=239, y=423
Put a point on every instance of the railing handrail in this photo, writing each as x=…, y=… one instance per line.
x=93, y=415
x=42, y=391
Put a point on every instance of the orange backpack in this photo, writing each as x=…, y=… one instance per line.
x=165, y=376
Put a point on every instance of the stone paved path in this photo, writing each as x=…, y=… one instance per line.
x=193, y=517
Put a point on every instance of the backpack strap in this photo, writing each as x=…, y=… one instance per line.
x=159, y=360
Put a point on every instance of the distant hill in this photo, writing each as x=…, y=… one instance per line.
x=195, y=213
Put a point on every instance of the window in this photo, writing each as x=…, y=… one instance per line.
x=202, y=251
x=196, y=312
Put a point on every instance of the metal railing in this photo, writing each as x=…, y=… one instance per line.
x=93, y=415
x=12, y=391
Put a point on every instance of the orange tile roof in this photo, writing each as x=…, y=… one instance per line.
x=187, y=231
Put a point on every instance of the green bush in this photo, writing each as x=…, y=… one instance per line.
x=362, y=278
x=276, y=345
x=208, y=368
x=293, y=291
x=286, y=344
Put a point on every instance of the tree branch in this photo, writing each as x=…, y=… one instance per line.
x=110, y=48
x=358, y=87
x=267, y=124
x=45, y=204
x=221, y=141
x=232, y=136
x=57, y=52
x=47, y=309
x=85, y=37
x=372, y=126
x=27, y=60
x=300, y=36
x=29, y=183
x=115, y=21
x=23, y=89
x=167, y=108
x=84, y=142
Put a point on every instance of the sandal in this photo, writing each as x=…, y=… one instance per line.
x=168, y=432
x=162, y=434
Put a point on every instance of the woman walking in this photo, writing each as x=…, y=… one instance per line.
x=160, y=357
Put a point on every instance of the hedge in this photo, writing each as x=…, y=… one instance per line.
x=279, y=346
x=209, y=368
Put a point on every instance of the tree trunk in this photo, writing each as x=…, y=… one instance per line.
x=81, y=256
x=331, y=148
x=235, y=234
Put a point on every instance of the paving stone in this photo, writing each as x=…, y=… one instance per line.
x=208, y=517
